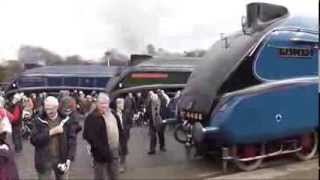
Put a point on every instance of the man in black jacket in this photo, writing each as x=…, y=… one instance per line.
x=102, y=130
x=54, y=140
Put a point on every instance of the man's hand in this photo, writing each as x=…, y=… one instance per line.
x=56, y=130
x=4, y=147
x=68, y=163
x=64, y=166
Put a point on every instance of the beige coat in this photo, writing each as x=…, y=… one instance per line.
x=155, y=111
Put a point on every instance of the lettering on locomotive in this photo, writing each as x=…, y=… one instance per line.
x=295, y=52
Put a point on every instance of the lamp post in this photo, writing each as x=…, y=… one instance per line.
x=108, y=56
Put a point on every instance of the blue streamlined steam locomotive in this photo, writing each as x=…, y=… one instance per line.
x=256, y=93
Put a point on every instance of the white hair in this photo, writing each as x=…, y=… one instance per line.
x=16, y=98
x=178, y=94
x=51, y=102
x=120, y=103
x=5, y=125
x=2, y=101
x=154, y=97
x=103, y=96
x=120, y=100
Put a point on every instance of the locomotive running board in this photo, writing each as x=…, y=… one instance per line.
x=269, y=155
x=226, y=156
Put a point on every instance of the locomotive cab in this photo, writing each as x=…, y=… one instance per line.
x=256, y=87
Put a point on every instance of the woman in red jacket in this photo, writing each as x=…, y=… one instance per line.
x=16, y=121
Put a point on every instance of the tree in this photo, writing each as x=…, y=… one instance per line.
x=32, y=54
x=10, y=70
x=42, y=56
x=75, y=60
x=2, y=74
x=115, y=57
x=194, y=53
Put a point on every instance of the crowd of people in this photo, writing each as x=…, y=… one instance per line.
x=52, y=123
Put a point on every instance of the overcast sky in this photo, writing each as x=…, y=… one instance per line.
x=90, y=27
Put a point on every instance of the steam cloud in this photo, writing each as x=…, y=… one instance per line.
x=135, y=23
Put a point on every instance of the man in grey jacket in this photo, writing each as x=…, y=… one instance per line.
x=155, y=123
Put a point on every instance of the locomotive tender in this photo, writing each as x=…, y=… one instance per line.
x=256, y=93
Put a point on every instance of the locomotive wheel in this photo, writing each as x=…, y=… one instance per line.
x=309, y=143
x=247, y=151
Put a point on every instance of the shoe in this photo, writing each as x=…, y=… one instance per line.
x=163, y=149
x=121, y=170
x=151, y=152
x=92, y=163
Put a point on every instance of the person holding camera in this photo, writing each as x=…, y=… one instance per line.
x=54, y=141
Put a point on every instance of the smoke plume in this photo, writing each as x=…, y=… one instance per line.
x=135, y=23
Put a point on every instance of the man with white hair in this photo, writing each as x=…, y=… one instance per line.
x=53, y=139
x=102, y=131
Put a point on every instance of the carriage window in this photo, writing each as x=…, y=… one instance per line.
x=101, y=82
x=71, y=81
x=54, y=81
x=87, y=82
x=31, y=82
